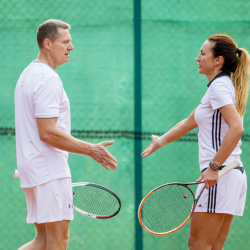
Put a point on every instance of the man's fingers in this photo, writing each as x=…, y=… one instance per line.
x=106, y=166
x=102, y=155
x=112, y=164
x=108, y=161
x=107, y=143
x=109, y=164
x=110, y=156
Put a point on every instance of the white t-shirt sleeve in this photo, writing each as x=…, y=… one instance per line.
x=47, y=96
x=221, y=94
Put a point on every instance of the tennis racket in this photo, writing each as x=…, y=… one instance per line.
x=169, y=207
x=93, y=200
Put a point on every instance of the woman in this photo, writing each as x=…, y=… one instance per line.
x=219, y=118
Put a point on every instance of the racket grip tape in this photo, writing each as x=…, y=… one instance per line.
x=16, y=174
x=235, y=163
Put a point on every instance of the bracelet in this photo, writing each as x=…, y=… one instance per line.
x=161, y=141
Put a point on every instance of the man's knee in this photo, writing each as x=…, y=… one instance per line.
x=65, y=239
x=35, y=244
x=58, y=234
x=58, y=242
x=39, y=242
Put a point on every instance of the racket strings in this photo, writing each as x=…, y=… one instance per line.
x=167, y=208
x=94, y=200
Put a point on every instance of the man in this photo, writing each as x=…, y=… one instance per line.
x=43, y=140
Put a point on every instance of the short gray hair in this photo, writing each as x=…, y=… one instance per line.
x=49, y=29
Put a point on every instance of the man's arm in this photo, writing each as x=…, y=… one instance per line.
x=51, y=134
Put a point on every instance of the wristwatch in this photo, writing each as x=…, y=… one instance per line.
x=214, y=166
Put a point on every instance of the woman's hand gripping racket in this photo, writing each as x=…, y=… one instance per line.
x=168, y=207
x=93, y=200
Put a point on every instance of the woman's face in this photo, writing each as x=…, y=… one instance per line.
x=206, y=60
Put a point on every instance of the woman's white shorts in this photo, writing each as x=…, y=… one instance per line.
x=227, y=196
x=50, y=202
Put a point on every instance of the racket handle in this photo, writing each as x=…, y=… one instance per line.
x=16, y=174
x=235, y=163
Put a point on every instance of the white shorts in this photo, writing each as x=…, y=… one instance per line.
x=228, y=196
x=50, y=202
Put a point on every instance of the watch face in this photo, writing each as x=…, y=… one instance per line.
x=214, y=165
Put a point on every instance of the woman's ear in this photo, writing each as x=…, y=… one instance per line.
x=219, y=61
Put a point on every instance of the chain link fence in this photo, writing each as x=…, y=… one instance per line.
x=99, y=81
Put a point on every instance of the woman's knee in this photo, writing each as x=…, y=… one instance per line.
x=196, y=243
x=192, y=241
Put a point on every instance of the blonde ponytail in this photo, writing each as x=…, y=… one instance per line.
x=240, y=78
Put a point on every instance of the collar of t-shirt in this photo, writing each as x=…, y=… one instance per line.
x=219, y=75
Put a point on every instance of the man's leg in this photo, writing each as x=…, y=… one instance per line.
x=39, y=242
x=57, y=235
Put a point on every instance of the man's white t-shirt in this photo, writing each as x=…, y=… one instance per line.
x=39, y=93
x=212, y=126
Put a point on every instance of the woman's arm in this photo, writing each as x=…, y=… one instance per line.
x=231, y=139
x=233, y=135
x=173, y=134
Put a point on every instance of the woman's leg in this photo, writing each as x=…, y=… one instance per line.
x=208, y=230
x=221, y=238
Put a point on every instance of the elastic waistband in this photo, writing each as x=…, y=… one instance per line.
x=221, y=167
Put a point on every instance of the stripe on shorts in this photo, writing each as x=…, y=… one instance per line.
x=212, y=192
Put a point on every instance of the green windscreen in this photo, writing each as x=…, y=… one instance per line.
x=132, y=74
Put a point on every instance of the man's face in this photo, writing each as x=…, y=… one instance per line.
x=60, y=48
